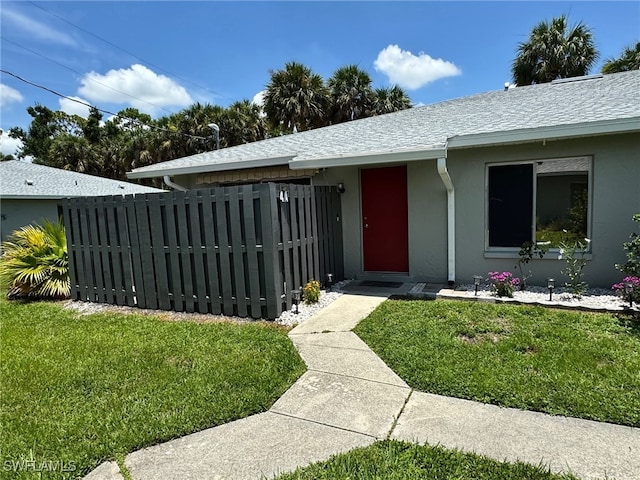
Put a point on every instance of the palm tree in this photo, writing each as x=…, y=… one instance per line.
x=629, y=60
x=296, y=99
x=351, y=93
x=34, y=262
x=554, y=51
x=388, y=100
x=242, y=122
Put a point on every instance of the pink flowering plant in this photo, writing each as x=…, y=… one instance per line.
x=620, y=288
x=503, y=283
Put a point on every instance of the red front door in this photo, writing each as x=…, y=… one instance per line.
x=385, y=236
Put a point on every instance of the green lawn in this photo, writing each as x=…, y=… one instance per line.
x=556, y=361
x=82, y=389
x=391, y=460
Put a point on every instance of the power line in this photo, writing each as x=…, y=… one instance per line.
x=88, y=32
x=134, y=120
x=81, y=74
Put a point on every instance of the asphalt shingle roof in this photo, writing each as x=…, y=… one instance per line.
x=20, y=179
x=565, y=103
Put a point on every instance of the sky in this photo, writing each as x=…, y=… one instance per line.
x=162, y=56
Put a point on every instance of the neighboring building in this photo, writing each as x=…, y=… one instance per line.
x=30, y=192
x=451, y=190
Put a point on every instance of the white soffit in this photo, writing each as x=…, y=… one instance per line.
x=371, y=158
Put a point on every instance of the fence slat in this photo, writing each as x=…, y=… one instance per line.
x=96, y=259
x=125, y=245
x=144, y=237
x=336, y=219
x=268, y=210
x=287, y=247
x=210, y=249
x=114, y=250
x=74, y=249
x=320, y=194
x=170, y=201
x=253, y=268
x=136, y=263
x=302, y=236
x=238, y=256
x=158, y=252
x=200, y=289
x=313, y=218
x=184, y=243
x=223, y=249
x=104, y=250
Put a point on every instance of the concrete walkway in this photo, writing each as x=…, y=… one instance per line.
x=349, y=398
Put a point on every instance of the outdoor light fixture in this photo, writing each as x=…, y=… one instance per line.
x=551, y=284
x=341, y=188
x=628, y=289
x=216, y=129
x=297, y=294
x=476, y=282
x=329, y=279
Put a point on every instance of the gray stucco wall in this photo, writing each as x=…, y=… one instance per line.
x=615, y=180
x=615, y=185
x=18, y=213
x=616, y=197
x=427, y=219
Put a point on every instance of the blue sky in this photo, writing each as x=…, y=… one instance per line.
x=175, y=53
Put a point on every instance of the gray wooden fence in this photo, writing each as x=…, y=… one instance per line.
x=228, y=250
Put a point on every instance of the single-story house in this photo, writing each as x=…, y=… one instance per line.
x=447, y=191
x=31, y=192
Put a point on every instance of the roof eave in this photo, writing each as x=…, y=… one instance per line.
x=210, y=167
x=586, y=129
x=371, y=158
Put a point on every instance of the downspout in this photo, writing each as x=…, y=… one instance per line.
x=451, y=220
x=175, y=186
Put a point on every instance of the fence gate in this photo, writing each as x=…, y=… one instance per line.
x=227, y=250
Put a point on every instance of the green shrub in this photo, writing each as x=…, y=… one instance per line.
x=573, y=252
x=34, y=262
x=632, y=248
x=312, y=292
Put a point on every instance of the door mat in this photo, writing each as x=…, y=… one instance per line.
x=371, y=283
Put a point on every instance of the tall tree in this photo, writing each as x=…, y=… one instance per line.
x=242, y=122
x=628, y=60
x=351, y=92
x=46, y=124
x=388, y=100
x=296, y=99
x=553, y=51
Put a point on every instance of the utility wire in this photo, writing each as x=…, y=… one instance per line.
x=134, y=120
x=88, y=32
x=81, y=74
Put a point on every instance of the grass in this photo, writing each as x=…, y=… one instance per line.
x=560, y=362
x=82, y=389
x=393, y=460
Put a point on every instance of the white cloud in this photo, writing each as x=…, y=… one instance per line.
x=74, y=108
x=258, y=98
x=37, y=29
x=410, y=71
x=137, y=86
x=8, y=145
x=9, y=95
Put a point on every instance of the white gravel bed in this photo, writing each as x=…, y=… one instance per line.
x=593, y=299
x=290, y=318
